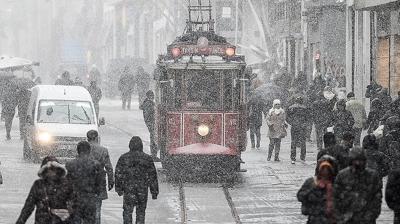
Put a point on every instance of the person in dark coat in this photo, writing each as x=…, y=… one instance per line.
x=143, y=83
x=316, y=194
x=343, y=120
x=322, y=114
x=100, y=154
x=376, y=159
x=385, y=97
x=135, y=174
x=9, y=104
x=125, y=85
x=375, y=115
x=85, y=174
x=23, y=103
x=357, y=192
x=390, y=133
x=392, y=194
x=255, y=116
x=65, y=79
x=337, y=151
x=298, y=116
x=51, y=191
x=372, y=90
x=96, y=94
x=149, y=111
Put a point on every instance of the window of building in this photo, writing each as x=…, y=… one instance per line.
x=226, y=12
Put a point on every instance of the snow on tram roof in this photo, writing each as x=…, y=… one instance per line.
x=59, y=92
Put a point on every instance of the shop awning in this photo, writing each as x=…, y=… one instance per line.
x=373, y=4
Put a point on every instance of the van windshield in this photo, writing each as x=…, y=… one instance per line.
x=65, y=112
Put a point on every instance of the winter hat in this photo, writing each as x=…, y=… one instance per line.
x=136, y=144
x=83, y=147
x=276, y=102
x=324, y=161
x=92, y=134
x=51, y=162
x=369, y=142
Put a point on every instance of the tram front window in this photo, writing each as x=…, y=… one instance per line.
x=203, y=90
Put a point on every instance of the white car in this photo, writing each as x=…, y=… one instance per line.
x=58, y=118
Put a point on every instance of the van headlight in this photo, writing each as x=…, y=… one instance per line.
x=43, y=138
x=203, y=130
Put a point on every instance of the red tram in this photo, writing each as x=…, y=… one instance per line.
x=201, y=101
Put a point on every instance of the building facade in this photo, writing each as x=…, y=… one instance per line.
x=373, y=45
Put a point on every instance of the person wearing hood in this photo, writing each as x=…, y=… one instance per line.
x=357, y=192
x=376, y=159
x=85, y=174
x=316, y=194
x=135, y=174
x=392, y=193
x=51, y=194
x=298, y=117
x=337, y=151
x=356, y=109
x=276, y=121
x=343, y=120
x=375, y=115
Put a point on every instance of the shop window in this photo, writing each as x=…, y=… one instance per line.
x=383, y=62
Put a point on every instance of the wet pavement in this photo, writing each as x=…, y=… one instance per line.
x=266, y=193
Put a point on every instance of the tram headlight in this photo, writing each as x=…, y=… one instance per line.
x=203, y=130
x=230, y=51
x=176, y=52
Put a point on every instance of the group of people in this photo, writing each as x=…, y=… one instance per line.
x=73, y=194
x=127, y=83
x=319, y=106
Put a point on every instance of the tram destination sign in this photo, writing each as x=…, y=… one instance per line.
x=219, y=50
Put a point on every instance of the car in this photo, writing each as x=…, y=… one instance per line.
x=58, y=117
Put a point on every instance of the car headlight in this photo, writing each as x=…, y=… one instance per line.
x=203, y=130
x=43, y=137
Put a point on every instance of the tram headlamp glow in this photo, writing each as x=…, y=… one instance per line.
x=230, y=51
x=176, y=52
x=203, y=130
x=44, y=137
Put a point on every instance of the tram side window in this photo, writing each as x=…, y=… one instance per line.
x=203, y=90
x=228, y=92
x=178, y=91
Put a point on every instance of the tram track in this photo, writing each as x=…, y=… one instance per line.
x=184, y=210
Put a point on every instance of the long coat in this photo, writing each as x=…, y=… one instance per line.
x=100, y=154
x=60, y=196
x=343, y=121
x=358, y=111
x=276, y=124
x=313, y=201
x=256, y=110
x=357, y=196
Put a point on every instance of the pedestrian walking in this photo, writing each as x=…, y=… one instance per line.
x=100, y=154
x=149, y=111
x=255, y=110
x=65, y=79
x=52, y=196
x=392, y=193
x=316, y=194
x=125, y=85
x=9, y=105
x=23, y=102
x=375, y=115
x=337, y=151
x=391, y=133
x=135, y=174
x=96, y=94
x=359, y=114
x=372, y=90
x=85, y=174
x=357, y=192
x=322, y=115
x=343, y=120
x=385, y=97
x=376, y=159
x=143, y=83
x=298, y=117
x=276, y=121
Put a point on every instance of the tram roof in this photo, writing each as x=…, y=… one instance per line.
x=193, y=37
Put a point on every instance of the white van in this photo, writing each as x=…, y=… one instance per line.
x=58, y=118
